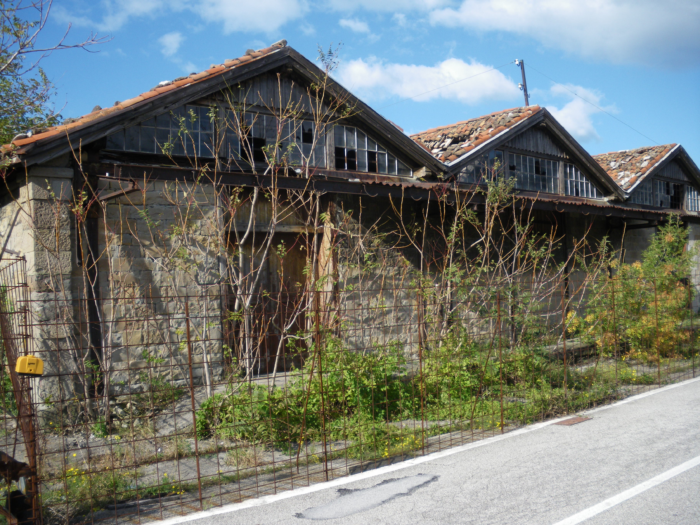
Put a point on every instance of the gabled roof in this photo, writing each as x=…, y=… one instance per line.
x=168, y=95
x=449, y=143
x=628, y=168
x=72, y=125
x=459, y=143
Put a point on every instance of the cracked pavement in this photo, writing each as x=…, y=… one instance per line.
x=541, y=476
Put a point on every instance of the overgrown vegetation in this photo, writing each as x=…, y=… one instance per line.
x=444, y=316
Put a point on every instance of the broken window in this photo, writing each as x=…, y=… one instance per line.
x=258, y=138
x=578, y=185
x=669, y=195
x=534, y=174
x=356, y=151
x=185, y=131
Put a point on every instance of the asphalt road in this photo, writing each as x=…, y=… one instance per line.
x=637, y=462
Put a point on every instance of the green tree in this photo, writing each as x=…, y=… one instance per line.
x=25, y=91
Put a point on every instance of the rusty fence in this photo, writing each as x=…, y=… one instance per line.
x=161, y=405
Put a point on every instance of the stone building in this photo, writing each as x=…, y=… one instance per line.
x=138, y=220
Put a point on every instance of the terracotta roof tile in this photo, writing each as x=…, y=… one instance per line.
x=448, y=143
x=196, y=77
x=149, y=94
x=165, y=89
x=199, y=76
x=627, y=167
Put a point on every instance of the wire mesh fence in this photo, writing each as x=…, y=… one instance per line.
x=178, y=403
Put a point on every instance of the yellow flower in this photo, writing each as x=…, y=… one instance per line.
x=165, y=475
x=74, y=455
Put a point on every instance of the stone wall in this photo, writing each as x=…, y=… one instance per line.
x=160, y=252
x=43, y=234
x=377, y=295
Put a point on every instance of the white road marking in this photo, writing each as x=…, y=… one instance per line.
x=630, y=493
x=265, y=500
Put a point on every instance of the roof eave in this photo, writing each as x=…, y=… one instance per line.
x=58, y=144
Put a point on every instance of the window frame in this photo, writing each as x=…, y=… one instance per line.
x=134, y=140
x=224, y=144
x=354, y=150
x=647, y=193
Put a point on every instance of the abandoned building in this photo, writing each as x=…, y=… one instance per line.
x=162, y=203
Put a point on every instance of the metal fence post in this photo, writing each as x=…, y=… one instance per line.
x=563, y=338
x=658, y=350
x=194, y=411
x=500, y=354
x=614, y=325
x=317, y=322
x=419, y=300
x=692, y=332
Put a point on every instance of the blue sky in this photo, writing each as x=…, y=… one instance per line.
x=420, y=63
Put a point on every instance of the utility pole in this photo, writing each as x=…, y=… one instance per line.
x=523, y=86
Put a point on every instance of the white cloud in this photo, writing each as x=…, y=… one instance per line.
x=307, y=29
x=576, y=114
x=620, y=31
x=387, y=5
x=265, y=16
x=375, y=79
x=170, y=43
x=118, y=12
x=400, y=19
x=358, y=26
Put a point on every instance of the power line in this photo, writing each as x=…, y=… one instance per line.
x=446, y=85
x=592, y=104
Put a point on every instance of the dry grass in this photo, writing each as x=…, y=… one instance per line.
x=244, y=457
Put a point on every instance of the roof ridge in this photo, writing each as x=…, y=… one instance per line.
x=669, y=145
x=475, y=118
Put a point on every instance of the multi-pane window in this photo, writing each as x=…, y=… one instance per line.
x=264, y=138
x=534, y=174
x=187, y=130
x=669, y=195
x=643, y=194
x=577, y=184
x=692, y=199
x=355, y=151
x=482, y=168
x=531, y=174
x=666, y=194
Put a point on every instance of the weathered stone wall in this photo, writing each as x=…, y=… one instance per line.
x=160, y=252
x=43, y=234
x=378, y=274
x=377, y=298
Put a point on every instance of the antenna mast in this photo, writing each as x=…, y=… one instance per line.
x=523, y=86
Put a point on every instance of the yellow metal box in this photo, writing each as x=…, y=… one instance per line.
x=29, y=365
